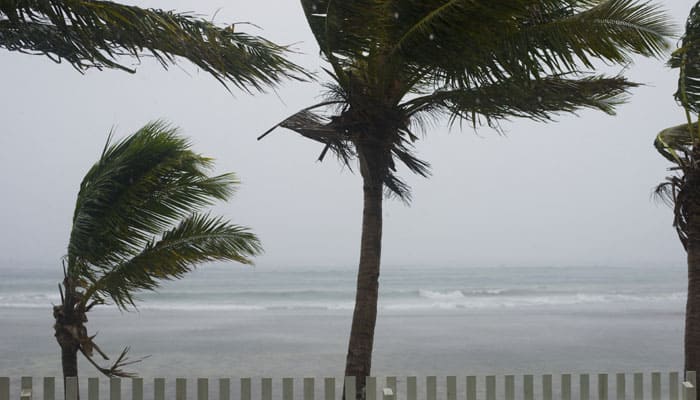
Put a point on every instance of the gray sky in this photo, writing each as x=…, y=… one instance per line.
x=575, y=192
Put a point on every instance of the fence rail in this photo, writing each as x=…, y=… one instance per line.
x=488, y=389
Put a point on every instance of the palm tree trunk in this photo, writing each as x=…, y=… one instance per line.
x=69, y=360
x=692, y=310
x=66, y=330
x=359, y=357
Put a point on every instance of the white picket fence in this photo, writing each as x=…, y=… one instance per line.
x=566, y=389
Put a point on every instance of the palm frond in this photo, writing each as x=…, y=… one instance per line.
x=538, y=99
x=97, y=33
x=677, y=142
x=528, y=38
x=687, y=59
x=197, y=239
x=140, y=187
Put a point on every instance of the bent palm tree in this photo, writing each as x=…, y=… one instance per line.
x=681, y=145
x=137, y=222
x=93, y=33
x=396, y=64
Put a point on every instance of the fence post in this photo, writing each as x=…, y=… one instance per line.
x=309, y=389
x=547, y=387
x=180, y=389
x=329, y=389
x=528, y=387
x=202, y=389
x=159, y=388
x=620, y=388
x=246, y=389
x=350, y=388
x=566, y=387
x=136, y=388
x=93, y=389
x=673, y=384
x=71, y=387
x=690, y=390
x=49, y=388
x=26, y=388
x=656, y=386
x=371, y=388
x=224, y=388
x=288, y=389
x=509, y=388
x=411, y=388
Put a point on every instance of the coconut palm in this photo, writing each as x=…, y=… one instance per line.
x=681, y=145
x=91, y=33
x=395, y=65
x=138, y=222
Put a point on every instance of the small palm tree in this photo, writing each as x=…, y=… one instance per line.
x=681, y=146
x=395, y=65
x=93, y=33
x=137, y=222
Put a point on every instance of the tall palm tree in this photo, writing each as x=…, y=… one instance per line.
x=94, y=33
x=395, y=65
x=137, y=222
x=681, y=145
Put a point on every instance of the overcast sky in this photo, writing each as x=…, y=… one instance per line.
x=576, y=192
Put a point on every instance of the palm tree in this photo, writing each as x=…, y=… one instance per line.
x=137, y=222
x=93, y=33
x=681, y=145
x=396, y=65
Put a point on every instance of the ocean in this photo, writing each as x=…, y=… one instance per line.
x=231, y=320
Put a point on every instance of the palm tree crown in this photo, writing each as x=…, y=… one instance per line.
x=138, y=221
x=396, y=64
x=96, y=33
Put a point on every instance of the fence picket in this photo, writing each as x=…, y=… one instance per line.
x=371, y=388
x=329, y=389
x=471, y=388
x=411, y=388
x=528, y=387
x=115, y=389
x=620, y=388
x=431, y=388
x=224, y=388
x=566, y=387
x=392, y=384
x=509, y=388
x=350, y=385
x=490, y=387
x=638, y=386
x=71, y=388
x=656, y=386
x=4, y=388
x=602, y=386
x=202, y=389
x=266, y=389
x=451, y=388
x=25, y=388
x=584, y=389
x=136, y=389
x=180, y=389
x=246, y=389
x=309, y=389
x=547, y=387
x=690, y=377
x=93, y=389
x=288, y=389
x=673, y=384
x=159, y=389
x=49, y=388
